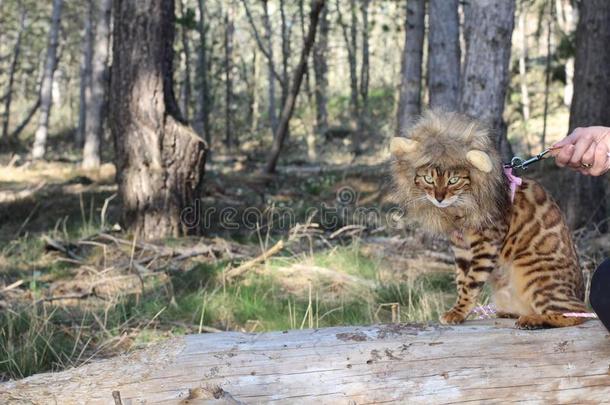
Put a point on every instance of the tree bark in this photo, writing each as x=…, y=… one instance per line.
x=362, y=132
x=320, y=69
x=488, y=27
x=523, y=61
x=97, y=103
x=567, y=17
x=11, y=75
x=286, y=33
x=585, y=198
x=186, y=49
x=547, y=71
x=479, y=362
x=288, y=108
x=202, y=119
x=159, y=160
x=409, y=102
x=85, y=75
x=444, y=54
x=230, y=141
x=271, y=67
x=40, y=137
x=349, y=36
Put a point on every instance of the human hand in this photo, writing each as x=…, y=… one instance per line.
x=586, y=150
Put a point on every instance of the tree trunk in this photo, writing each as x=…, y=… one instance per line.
x=320, y=69
x=567, y=17
x=286, y=33
x=585, y=198
x=160, y=160
x=444, y=54
x=202, y=118
x=488, y=27
x=230, y=141
x=282, y=130
x=485, y=362
x=362, y=132
x=270, y=66
x=409, y=102
x=547, y=72
x=11, y=75
x=307, y=82
x=523, y=60
x=46, y=85
x=349, y=36
x=85, y=75
x=186, y=49
x=97, y=103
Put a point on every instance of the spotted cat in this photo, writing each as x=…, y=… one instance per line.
x=450, y=179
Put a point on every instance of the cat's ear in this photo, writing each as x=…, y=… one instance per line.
x=480, y=160
x=400, y=146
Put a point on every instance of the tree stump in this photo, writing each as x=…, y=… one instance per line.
x=480, y=361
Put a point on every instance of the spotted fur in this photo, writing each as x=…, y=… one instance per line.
x=524, y=249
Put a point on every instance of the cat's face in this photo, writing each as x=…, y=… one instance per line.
x=442, y=187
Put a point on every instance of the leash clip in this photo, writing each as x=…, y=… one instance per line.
x=519, y=163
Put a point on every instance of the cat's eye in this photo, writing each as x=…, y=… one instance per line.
x=454, y=180
x=429, y=179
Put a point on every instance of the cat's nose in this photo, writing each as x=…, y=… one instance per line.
x=439, y=199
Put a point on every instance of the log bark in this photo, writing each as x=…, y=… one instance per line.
x=488, y=28
x=159, y=159
x=282, y=130
x=444, y=54
x=409, y=101
x=98, y=88
x=480, y=361
x=585, y=203
x=46, y=86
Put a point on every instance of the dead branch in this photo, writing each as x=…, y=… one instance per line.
x=238, y=271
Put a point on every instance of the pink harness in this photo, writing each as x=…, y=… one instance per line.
x=513, y=182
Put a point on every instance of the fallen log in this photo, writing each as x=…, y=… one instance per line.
x=481, y=361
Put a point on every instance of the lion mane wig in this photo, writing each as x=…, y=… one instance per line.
x=449, y=140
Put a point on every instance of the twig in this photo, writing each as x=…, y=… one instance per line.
x=12, y=286
x=116, y=395
x=238, y=271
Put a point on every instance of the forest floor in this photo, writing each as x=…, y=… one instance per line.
x=315, y=246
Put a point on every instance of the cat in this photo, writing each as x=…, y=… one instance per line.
x=450, y=179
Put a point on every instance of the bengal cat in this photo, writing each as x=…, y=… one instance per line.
x=450, y=179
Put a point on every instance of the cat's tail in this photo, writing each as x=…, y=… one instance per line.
x=570, y=313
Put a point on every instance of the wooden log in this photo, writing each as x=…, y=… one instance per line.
x=480, y=361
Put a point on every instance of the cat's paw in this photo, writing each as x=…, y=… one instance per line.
x=529, y=322
x=452, y=317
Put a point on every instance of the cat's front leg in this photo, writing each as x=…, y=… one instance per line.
x=474, y=262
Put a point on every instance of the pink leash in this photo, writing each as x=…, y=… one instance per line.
x=489, y=311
